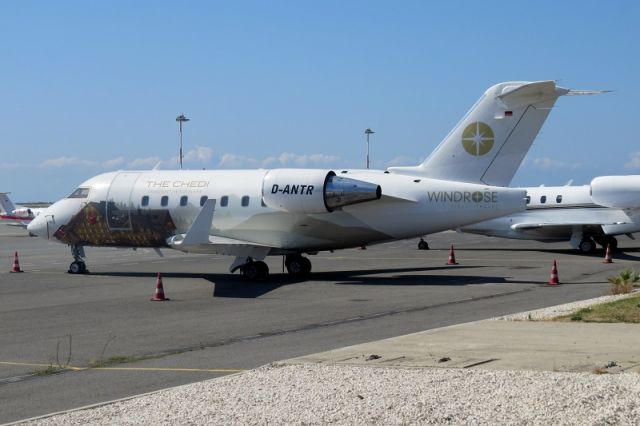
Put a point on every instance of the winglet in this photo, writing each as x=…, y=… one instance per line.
x=198, y=233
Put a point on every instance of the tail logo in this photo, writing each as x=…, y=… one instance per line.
x=477, y=138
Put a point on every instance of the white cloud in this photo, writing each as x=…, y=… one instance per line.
x=200, y=154
x=111, y=164
x=286, y=159
x=229, y=161
x=549, y=163
x=634, y=163
x=11, y=166
x=67, y=161
x=403, y=160
x=291, y=159
x=144, y=163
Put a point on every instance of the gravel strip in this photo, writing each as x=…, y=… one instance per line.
x=314, y=394
x=566, y=309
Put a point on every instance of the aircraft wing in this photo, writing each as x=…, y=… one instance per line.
x=228, y=247
x=198, y=239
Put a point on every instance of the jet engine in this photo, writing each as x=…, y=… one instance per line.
x=24, y=212
x=314, y=191
x=616, y=191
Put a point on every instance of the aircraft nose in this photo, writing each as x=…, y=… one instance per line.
x=38, y=226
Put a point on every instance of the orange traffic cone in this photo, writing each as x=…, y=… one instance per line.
x=159, y=295
x=452, y=257
x=554, y=280
x=16, y=264
x=607, y=255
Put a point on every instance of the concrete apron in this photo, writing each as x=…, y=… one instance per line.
x=501, y=345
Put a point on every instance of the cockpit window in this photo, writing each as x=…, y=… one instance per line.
x=80, y=193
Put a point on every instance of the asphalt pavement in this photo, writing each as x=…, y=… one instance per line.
x=114, y=342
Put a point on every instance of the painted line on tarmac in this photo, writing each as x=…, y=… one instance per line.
x=29, y=364
x=69, y=367
x=169, y=369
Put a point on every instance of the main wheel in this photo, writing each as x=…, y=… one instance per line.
x=587, y=246
x=298, y=265
x=423, y=245
x=263, y=270
x=256, y=271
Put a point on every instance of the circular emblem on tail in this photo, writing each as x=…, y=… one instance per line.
x=477, y=138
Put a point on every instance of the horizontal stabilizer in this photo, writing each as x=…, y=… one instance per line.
x=530, y=93
x=586, y=92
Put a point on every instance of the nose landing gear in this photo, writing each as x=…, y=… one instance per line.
x=78, y=266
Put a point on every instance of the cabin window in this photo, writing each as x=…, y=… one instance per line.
x=527, y=199
x=543, y=199
x=164, y=201
x=203, y=200
x=80, y=193
x=245, y=201
x=145, y=201
x=559, y=199
x=184, y=200
x=224, y=200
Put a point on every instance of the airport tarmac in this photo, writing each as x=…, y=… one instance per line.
x=217, y=323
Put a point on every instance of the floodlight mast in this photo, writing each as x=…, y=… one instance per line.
x=181, y=119
x=368, y=132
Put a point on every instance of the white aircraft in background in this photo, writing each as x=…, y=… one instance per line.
x=251, y=214
x=13, y=215
x=584, y=215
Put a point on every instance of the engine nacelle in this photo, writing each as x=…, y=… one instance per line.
x=314, y=191
x=24, y=212
x=616, y=191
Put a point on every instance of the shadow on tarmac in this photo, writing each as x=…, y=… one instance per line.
x=235, y=286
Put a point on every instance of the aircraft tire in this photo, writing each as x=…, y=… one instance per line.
x=587, y=246
x=423, y=245
x=298, y=265
x=77, y=268
x=255, y=271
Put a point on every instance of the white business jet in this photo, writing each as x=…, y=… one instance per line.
x=583, y=215
x=14, y=215
x=251, y=214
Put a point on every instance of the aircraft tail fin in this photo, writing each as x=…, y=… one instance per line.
x=6, y=205
x=489, y=143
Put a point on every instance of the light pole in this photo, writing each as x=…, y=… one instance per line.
x=368, y=132
x=181, y=119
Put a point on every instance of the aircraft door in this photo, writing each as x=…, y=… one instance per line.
x=119, y=201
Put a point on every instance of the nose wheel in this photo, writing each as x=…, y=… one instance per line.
x=78, y=266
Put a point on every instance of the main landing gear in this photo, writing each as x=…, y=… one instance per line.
x=256, y=270
x=297, y=265
x=423, y=245
x=78, y=266
x=588, y=245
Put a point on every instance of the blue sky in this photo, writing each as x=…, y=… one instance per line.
x=88, y=87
